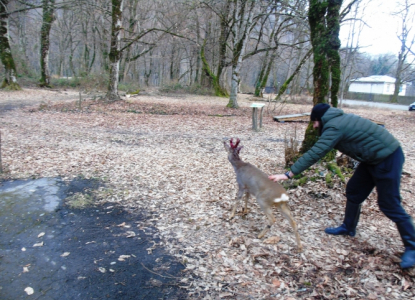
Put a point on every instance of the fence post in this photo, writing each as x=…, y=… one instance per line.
x=255, y=107
x=254, y=119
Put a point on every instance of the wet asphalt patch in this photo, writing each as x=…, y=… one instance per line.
x=48, y=251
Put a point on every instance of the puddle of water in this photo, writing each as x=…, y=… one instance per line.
x=29, y=196
x=23, y=203
x=33, y=239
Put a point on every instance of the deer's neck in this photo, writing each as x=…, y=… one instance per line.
x=236, y=163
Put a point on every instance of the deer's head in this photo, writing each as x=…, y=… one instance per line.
x=233, y=149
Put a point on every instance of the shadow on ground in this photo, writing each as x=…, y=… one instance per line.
x=95, y=253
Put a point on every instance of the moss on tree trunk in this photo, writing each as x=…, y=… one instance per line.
x=263, y=75
x=333, y=28
x=48, y=18
x=284, y=86
x=323, y=16
x=6, y=57
x=115, y=53
x=214, y=79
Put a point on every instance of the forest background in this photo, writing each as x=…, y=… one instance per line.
x=162, y=153
x=204, y=47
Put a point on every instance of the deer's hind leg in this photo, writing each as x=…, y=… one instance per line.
x=271, y=220
x=285, y=210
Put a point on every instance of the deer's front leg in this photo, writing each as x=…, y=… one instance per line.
x=247, y=195
x=238, y=198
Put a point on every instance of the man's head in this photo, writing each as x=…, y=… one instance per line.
x=317, y=113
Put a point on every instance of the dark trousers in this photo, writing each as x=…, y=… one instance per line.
x=386, y=177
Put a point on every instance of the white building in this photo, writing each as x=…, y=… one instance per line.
x=376, y=85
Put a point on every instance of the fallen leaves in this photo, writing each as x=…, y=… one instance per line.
x=272, y=240
x=276, y=283
x=174, y=166
x=130, y=234
x=29, y=290
x=123, y=257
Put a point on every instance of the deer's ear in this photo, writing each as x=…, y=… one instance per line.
x=225, y=144
x=239, y=149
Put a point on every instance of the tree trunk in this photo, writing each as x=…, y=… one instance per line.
x=349, y=64
x=88, y=57
x=397, y=87
x=398, y=74
x=406, y=20
x=284, y=86
x=72, y=48
x=23, y=44
x=209, y=77
x=224, y=34
x=317, y=20
x=115, y=53
x=233, y=98
x=333, y=27
x=243, y=16
x=47, y=20
x=323, y=16
x=147, y=73
x=262, y=79
x=10, y=80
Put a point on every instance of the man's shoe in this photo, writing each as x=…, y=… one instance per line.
x=408, y=259
x=341, y=230
x=351, y=218
x=407, y=231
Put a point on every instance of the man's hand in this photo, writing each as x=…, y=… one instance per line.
x=278, y=177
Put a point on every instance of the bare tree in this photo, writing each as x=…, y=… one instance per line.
x=10, y=80
x=47, y=20
x=406, y=37
x=222, y=11
x=350, y=52
x=217, y=43
x=243, y=14
x=115, y=52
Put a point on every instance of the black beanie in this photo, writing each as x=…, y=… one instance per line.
x=318, y=111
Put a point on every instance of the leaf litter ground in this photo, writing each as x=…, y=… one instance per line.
x=164, y=155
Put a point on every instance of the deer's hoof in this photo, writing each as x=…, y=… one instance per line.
x=245, y=211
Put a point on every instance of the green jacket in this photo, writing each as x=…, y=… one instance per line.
x=352, y=135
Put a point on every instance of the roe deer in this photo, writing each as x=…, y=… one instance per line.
x=253, y=181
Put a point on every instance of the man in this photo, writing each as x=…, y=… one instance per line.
x=381, y=159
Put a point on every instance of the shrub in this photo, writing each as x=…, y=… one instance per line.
x=176, y=87
x=89, y=82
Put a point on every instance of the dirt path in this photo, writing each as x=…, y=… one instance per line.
x=35, y=96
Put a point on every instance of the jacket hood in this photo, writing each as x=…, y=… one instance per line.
x=331, y=113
